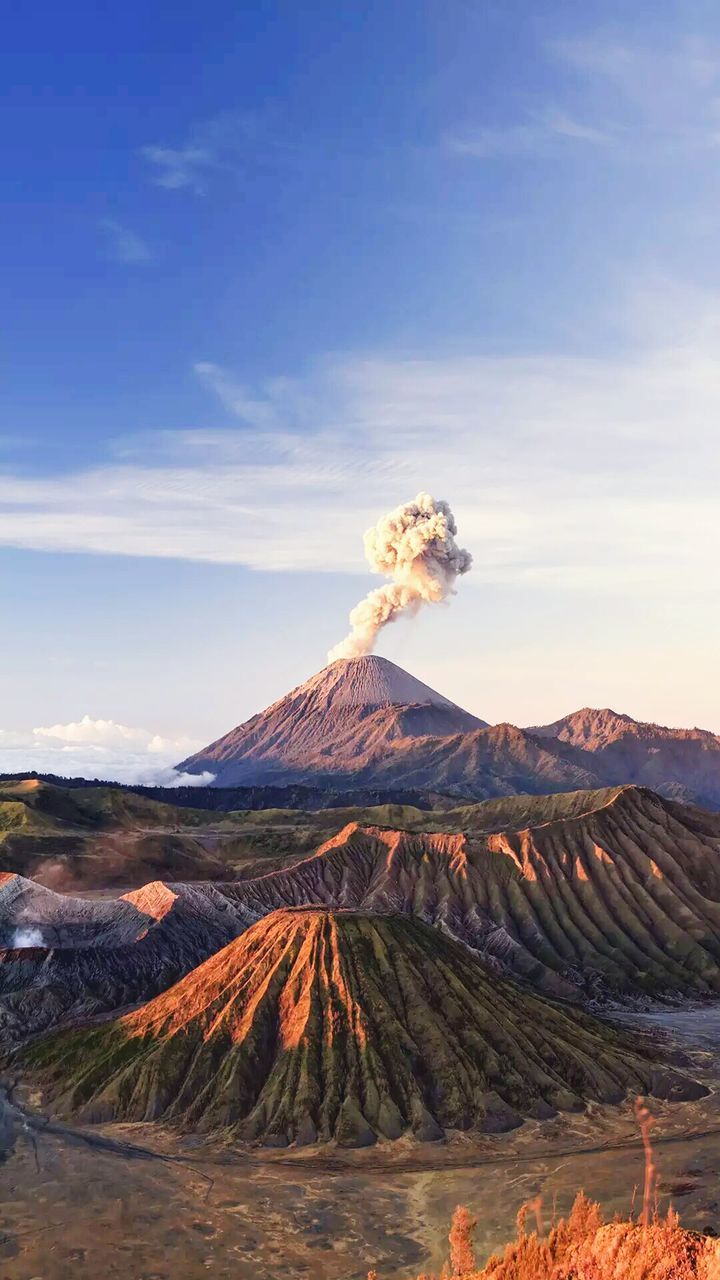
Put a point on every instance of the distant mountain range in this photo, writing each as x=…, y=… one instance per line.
x=364, y=723
x=683, y=764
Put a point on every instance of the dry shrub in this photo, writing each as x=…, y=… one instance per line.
x=462, y=1253
x=582, y=1247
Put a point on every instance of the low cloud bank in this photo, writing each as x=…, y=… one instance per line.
x=103, y=749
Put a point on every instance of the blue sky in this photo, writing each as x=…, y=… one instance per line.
x=269, y=271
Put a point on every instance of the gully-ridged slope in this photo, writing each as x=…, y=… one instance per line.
x=321, y=1025
x=623, y=899
x=612, y=895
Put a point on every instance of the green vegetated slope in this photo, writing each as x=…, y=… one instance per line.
x=79, y=807
x=102, y=837
x=486, y=815
x=321, y=1024
x=99, y=837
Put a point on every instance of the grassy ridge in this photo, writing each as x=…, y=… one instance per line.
x=101, y=836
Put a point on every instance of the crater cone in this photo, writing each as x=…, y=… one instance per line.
x=320, y=1024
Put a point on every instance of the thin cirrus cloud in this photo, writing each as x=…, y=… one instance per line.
x=668, y=96
x=620, y=93
x=124, y=245
x=176, y=168
x=565, y=471
x=656, y=75
x=102, y=749
x=543, y=133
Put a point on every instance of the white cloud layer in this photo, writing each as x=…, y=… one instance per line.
x=581, y=473
x=103, y=749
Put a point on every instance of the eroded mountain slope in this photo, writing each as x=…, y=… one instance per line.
x=144, y=943
x=320, y=1024
x=613, y=895
x=622, y=899
x=683, y=764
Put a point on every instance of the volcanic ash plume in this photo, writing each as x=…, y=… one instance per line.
x=414, y=546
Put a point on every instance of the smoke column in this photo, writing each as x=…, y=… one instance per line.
x=415, y=547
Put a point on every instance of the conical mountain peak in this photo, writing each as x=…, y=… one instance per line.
x=372, y=681
x=336, y=724
x=320, y=1024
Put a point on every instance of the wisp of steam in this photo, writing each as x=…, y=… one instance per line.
x=27, y=937
x=415, y=547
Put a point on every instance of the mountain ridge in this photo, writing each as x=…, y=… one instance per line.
x=574, y=905
x=683, y=764
x=611, y=896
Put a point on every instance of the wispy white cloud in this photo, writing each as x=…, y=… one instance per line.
x=123, y=244
x=543, y=133
x=621, y=93
x=176, y=168
x=263, y=412
x=97, y=748
x=576, y=472
x=666, y=95
x=563, y=125
x=232, y=142
x=645, y=70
